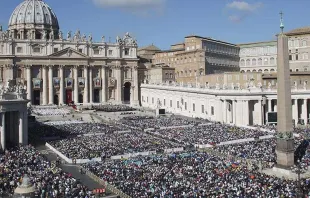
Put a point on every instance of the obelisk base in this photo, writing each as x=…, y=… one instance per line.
x=285, y=153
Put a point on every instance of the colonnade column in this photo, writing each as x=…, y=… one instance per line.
x=85, y=99
x=44, y=72
x=295, y=111
x=104, y=85
x=304, y=112
x=136, y=86
x=29, y=90
x=245, y=119
x=118, y=76
x=225, y=111
x=50, y=85
x=234, y=109
x=260, y=112
x=21, y=128
x=269, y=105
x=76, y=84
x=61, y=86
x=91, y=82
x=25, y=127
x=3, y=146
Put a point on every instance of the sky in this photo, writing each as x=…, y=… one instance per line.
x=167, y=22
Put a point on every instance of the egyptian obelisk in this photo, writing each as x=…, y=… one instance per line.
x=285, y=141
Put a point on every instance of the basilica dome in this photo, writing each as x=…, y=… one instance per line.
x=33, y=15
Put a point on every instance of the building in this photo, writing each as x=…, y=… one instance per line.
x=160, y=73
x=239, y=106
x=60, y=69
x=13, y=115
x=146, y=54
x=262, y=56
x=198, y=56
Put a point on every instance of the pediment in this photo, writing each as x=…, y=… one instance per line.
x=68, y=53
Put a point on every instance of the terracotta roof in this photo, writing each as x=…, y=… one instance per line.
x=150, y=47
x=297, y=31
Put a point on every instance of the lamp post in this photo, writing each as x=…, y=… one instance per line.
x=299, y=171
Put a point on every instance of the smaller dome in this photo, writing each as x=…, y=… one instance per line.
x=31, y=14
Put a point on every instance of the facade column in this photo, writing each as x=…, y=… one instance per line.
x=275, y=106
x=76, y=84
x=21, y=128
x=136, y=86
x=118, y=76
x=50, y=85
x=304, y=111
x=246, y=113
x=132, y=90
x=260, y=113
x=91, y=82
x=269, y=105
x=225, y=111
x=295, y=111
x=85, y=100
x=234, y=105
x=25, y=127
x=29, y=83
x=3, y=146
x=104, y=85
x=44, y=78
x=61, y=86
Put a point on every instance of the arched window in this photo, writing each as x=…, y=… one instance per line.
x=242, y=71
x=248, y=71
x=254, y=70
x=297, y=70
x=266, y=62
x=272, y=70
x=272, y=62
x=260, y=70
x=265, y=70
x=248, y=62
x=260, y=61
x=242, y=62
x=253, y=61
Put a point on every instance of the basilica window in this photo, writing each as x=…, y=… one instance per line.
x=242, y=63
x=304, y=43
x=265, y=61
x=19, y=50
x=19, y=73
x=96, y=51
x=80, y=73
x=170, y=103
x=178, y=104
x=110, y=72
x=110, y=52
x=55, y=49
x=36, y=49
x=202, y=109
x=185, y=105
x=260, y=61
x=253, y=61
x=194, y=108
x=272, y=62
x=81, y=50
x=126, y=51
x=248, y=62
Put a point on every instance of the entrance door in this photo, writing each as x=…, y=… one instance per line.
x=68, y=96
x=80, y=98
x=96, y=96
x=56, y=100
x=127, y=93
x=36, y=97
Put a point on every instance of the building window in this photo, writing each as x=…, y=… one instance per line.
x=297, y=70
x=248, y=62
x=202, y=109
x=152, y=100
x=96, y=51
x=265, y=61
x=296, y=57
x=126, y=51
x=178, y=104
x=19, y=50
x=290, y=57
x=185, y=105
x=110, y=52
x=272, y=61
x=147, y=99
x=304, y=43
x=194, y=109
x=260, y=61
x=81, y=50
x=242, y=63
x=170, y=103
x=36, y=49
x=296, y=43
x=55, y=49
x=306, y=56
x=212, y=110
x=164, y=102
x=110, y=72
x=19, y=73
x=253, y=61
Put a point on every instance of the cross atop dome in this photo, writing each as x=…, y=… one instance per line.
x=281, y=22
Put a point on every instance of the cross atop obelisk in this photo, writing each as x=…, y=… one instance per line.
x=285, y=141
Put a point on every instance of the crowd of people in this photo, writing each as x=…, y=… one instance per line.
x=212, y=133
x=49, y=111
x=194, y=174
x=48, y=180
x=111, y=108
x=145, y=122
x=110, y=144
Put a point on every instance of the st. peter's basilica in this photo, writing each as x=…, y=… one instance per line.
x=59, y=68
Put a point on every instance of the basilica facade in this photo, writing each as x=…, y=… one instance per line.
x=62, y=68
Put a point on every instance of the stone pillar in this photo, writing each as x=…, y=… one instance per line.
x=234, y=105
x=29, y=83
x=285, y=141
x=21, y=128
x=269, y=105
x=85, y=100
x=295, y=110
x=44, y=78
x=50, y=85
x=225, y=111
x=260, y=112
x=25, y=127
x=304, y=111
x=246, y=115
x=132, y=89
x=76, y=84
x=104, y=85
x=119, y=84
x=91, y=82
x=136, y=86
x=61, y=86
x=3, y=136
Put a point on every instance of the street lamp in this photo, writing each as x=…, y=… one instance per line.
x=299, y=171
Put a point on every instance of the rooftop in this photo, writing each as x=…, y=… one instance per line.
x=298, y=31
x=149, y=47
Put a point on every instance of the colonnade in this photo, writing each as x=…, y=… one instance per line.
x=82, y=85
x=14, y=128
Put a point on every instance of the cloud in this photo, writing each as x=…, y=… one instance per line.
x=134, y=6
x=239, y=10
x=244, y=6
